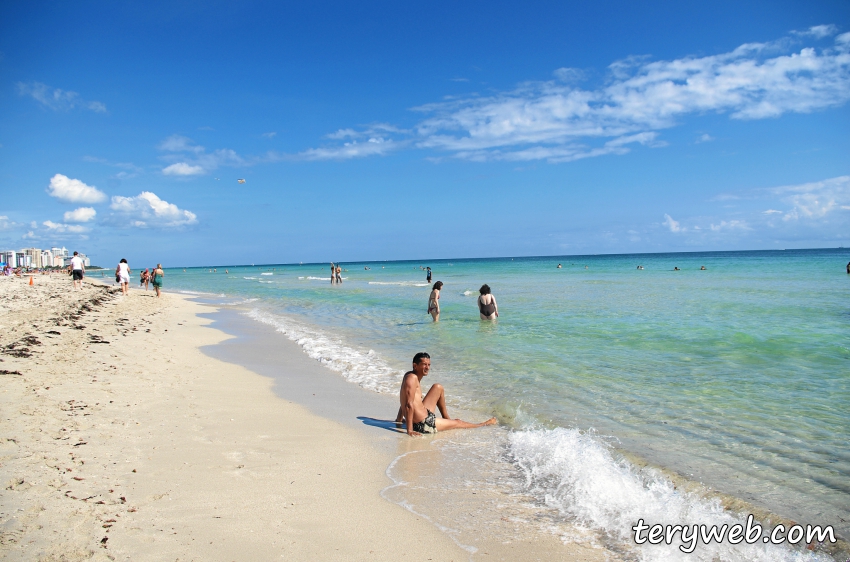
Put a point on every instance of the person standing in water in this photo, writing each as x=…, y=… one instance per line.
x=333, y=273
x=434, y=301
x=428, y=274
x=338, y=274
x=487, y=307
x=157, y=278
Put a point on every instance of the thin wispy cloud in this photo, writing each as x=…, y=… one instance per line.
x=673, y=225
x=128, y=169
x=557, y=121
x=183, y=169
x=6, y=224
x=375, y=146
x=816, y=200
x=730, y=225
x=190, y=159
x=56, y=98
x=814, y=210
x=63, y=228
x=818, y=31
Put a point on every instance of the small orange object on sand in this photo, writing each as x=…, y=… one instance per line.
x=30, y=279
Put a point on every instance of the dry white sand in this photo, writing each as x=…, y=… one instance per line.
x=121, y=440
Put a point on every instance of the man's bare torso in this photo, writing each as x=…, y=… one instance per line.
x=410, y=386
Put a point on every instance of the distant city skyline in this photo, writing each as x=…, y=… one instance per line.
x=257, y=132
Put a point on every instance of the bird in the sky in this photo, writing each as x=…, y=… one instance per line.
x=241, y=181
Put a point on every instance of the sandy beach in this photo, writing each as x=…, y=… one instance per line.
x=122, y=440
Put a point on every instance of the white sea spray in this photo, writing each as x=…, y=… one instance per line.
x=364, y=368
x=577, y=474
x=400, y=283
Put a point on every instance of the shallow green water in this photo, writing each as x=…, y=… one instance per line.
x=737, y=376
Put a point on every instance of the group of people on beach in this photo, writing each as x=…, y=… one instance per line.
x=487, y=307
x=122, y=277
x=148, y=277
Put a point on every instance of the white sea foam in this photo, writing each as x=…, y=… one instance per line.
x=200, y=293
x=576, y=474
x=267, y=273
x=250, y=278
x=402, y=283
x=328, y=278
x=237, y=303
x=364, y=368
x=467, y=293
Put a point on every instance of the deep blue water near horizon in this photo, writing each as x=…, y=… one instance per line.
x=736, y=376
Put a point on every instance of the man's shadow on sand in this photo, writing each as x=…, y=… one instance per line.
x=389, y=425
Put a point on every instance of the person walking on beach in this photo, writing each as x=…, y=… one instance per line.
x=338, y=274
x=487, y=307
x=416, y=413
x=122, y=275
x=157, y=279
x=434, y=301
x=428, y=274
x=78, y=270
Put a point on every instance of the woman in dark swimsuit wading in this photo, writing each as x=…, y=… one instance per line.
x=487, y=304
x=434, y=301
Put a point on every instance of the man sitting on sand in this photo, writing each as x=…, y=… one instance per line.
x=418, y=413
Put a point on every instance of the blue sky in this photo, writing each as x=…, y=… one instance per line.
x=387, y=130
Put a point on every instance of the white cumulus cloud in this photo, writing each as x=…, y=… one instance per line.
x=74, y=191
x=83, y=214
x=146, y=209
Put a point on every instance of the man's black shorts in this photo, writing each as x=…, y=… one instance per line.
x=78, y=275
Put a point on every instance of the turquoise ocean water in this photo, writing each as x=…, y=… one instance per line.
x=737, y=376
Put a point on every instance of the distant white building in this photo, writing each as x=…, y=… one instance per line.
x=59, y=252
x=46, y=259
x=8, y=258
x=34, y=256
